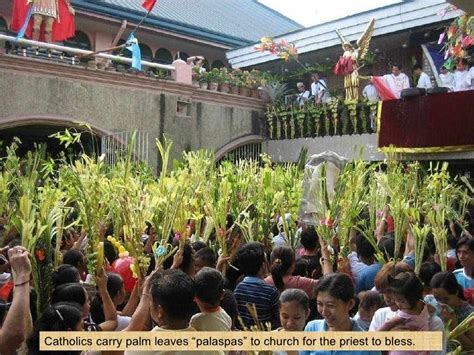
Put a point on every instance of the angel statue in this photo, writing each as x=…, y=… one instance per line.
x=348, y=64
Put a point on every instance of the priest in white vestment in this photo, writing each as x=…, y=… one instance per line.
x=397, y=81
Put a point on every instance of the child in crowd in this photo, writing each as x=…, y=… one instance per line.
x=253, y=289
x=209, y=293
x=407, y=291
x=204, y=257
x=369, y=302
x=294, y=310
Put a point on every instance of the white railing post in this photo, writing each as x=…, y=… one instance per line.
x=183, y=72
x=83, y=52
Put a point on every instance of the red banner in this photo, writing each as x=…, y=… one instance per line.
x=428, y=124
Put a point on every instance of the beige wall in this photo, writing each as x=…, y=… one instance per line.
x=33, y=91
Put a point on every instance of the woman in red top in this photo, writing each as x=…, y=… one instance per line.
x=282, y=266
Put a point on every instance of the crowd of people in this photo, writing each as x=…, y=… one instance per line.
x=267, y=287
x=461, y=79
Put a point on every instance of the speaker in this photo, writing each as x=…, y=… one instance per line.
x=412, y=92
x=438, y=90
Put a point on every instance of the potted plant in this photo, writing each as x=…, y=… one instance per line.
x=225, y=80
x=234, y=78
x=274, y=93
x=255, y=82
x=214, y=77
x=196, y=76
x=203, y=80
x=246, y=80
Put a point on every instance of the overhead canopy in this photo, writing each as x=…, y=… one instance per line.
x=390, y=19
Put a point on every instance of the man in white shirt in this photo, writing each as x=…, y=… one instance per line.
x=319, y=89
x=370, y=92
x=424, y=81
x=462, y=78
x=397, y=81
x=303, y=95
x=447, y=78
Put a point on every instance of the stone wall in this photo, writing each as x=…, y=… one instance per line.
x=282, y=151
x=33, y=91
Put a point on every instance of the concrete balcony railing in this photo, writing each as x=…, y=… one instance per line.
x=38, y=91
x=69, y=55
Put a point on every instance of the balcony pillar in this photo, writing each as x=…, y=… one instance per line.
x=182, y=73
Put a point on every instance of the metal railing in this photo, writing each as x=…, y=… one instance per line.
x=81, y=52
x=115, y=146
x=250, y=151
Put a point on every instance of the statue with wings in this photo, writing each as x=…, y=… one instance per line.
x=348, y=64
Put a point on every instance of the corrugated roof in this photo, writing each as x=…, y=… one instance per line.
x=244, y=19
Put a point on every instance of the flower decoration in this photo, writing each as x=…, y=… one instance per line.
x=160, y=251
x=123, y=253
x=328, y=222
x=447, y=9
x=40, y=255
x=458, y=37
x=283, y=49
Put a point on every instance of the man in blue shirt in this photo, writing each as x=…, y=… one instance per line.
x=253, y=290
x=464, y=276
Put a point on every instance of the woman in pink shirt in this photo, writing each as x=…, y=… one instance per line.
x=282, y=266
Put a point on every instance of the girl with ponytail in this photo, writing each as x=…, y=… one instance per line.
x=282, y=267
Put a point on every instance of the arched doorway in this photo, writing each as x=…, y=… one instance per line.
x=146, y=52
x=80, y=40
x=163, y=56
x=243, y=148
x=32, y=131
x=3, y=26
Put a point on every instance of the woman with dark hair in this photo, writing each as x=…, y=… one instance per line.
x=116, y=290
x=59, y=317
x=335, y=299
x=455, y=309
x=407, y=292
x=310, y=241
x=66, y=274
x=389, y=313
x=74, y=292
x=282, y=267
x=187, y=261
x=294, y=310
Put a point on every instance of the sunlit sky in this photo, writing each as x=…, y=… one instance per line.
x=312, y=12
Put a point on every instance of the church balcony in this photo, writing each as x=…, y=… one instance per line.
x=53, y=88
x=435, y=127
